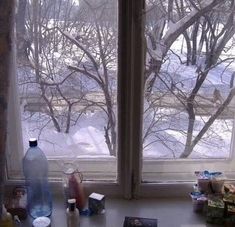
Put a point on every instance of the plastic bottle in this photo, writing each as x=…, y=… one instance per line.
x=6, y=218
x=72, y=214
x=35, y=168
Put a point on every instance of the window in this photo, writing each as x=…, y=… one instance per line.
x=188, y=104
x=132, y=93
x=67, y=77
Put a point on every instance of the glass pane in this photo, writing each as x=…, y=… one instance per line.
x=189, y=80
x=67, y=73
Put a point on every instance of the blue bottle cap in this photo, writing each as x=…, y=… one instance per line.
x=33, y=142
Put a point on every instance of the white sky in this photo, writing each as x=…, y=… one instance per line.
x=76, y=2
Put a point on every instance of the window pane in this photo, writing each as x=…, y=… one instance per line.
x=189, y=80
x=67, y=73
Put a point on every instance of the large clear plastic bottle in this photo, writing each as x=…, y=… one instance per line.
x=35, y=168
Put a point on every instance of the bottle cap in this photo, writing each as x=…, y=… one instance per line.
x=42, y=222
x=69, y=171
x=33, y=142
x=69, y=168
x=72, y=204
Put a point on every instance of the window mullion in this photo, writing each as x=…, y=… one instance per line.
x=131, y=66
x=137, y=93
x=6, y=31
x=124, y=97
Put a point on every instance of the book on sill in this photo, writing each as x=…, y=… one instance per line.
x=139, y=221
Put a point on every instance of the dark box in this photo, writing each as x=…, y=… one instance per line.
x=139, y=221
x=96, y=203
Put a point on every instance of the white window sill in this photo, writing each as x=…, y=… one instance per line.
x=167, y=211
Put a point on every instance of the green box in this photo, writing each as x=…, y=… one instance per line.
x=215, y=210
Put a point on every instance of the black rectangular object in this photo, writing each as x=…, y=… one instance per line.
x=140, y=222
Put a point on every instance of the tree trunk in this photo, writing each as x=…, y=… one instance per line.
x=22, y=42
x=51, y=111
x=68, y=121
x=111, y=125
x=202, y=38
x=6, y=25
x=170, y=10
x=194, y=41
x=189, y=49
x=154, y=68
x=190, y=109
x=188, y=149
x=192, y=143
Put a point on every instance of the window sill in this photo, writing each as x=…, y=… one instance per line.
x=117, y=209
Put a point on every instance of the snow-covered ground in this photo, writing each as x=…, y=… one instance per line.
x=86, y=139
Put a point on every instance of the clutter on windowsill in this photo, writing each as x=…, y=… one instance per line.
x=214, y=198
x=16, y=205
x=73, y=189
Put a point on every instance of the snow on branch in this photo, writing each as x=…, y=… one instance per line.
x=74, y=41
x=85, y=72
x=205, y=3
x=174, y=30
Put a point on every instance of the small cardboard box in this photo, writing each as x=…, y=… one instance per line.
x=96, y=203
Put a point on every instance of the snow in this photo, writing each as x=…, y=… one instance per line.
x=76, y=2
x=81, y=141
x=86, y=139
x=173, y=27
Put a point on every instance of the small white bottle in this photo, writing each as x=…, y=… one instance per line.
x=72, y=214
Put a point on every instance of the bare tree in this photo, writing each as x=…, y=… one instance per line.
x=73, y=55
x=100, y=54
x=53, y=82
x=187, y=21
x=159, y=43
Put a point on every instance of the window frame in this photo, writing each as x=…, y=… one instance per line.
x=124, y=164
x=129, y=182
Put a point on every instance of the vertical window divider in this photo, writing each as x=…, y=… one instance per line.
x=130, y=89
x=6, y=48
x=137, y=82
x=124, y=97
